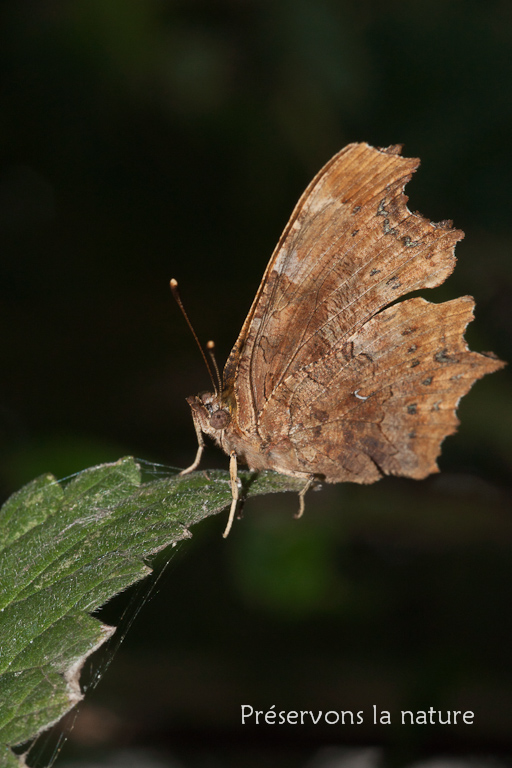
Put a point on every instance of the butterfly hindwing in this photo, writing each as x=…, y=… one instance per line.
x=383, y=402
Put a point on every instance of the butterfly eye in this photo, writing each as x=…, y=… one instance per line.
x=220, y=419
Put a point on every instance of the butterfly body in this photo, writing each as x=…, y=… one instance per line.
x=212, y=415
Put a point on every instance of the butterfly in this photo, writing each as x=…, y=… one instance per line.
x=331, y=378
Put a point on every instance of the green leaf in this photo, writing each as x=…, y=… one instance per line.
x=67, y=549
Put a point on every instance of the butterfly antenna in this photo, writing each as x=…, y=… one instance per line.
x=177, y=297
x=210, y=346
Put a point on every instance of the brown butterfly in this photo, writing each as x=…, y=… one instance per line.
x=329, y=379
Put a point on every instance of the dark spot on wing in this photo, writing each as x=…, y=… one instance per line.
x=320, y=415
x=444, y=357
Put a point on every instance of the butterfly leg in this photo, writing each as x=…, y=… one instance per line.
x=233, y=476
x=302, y=505
x=200, y=448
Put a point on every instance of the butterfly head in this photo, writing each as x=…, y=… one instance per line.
x=209, y=412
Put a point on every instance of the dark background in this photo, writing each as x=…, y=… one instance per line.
x=141, y=141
